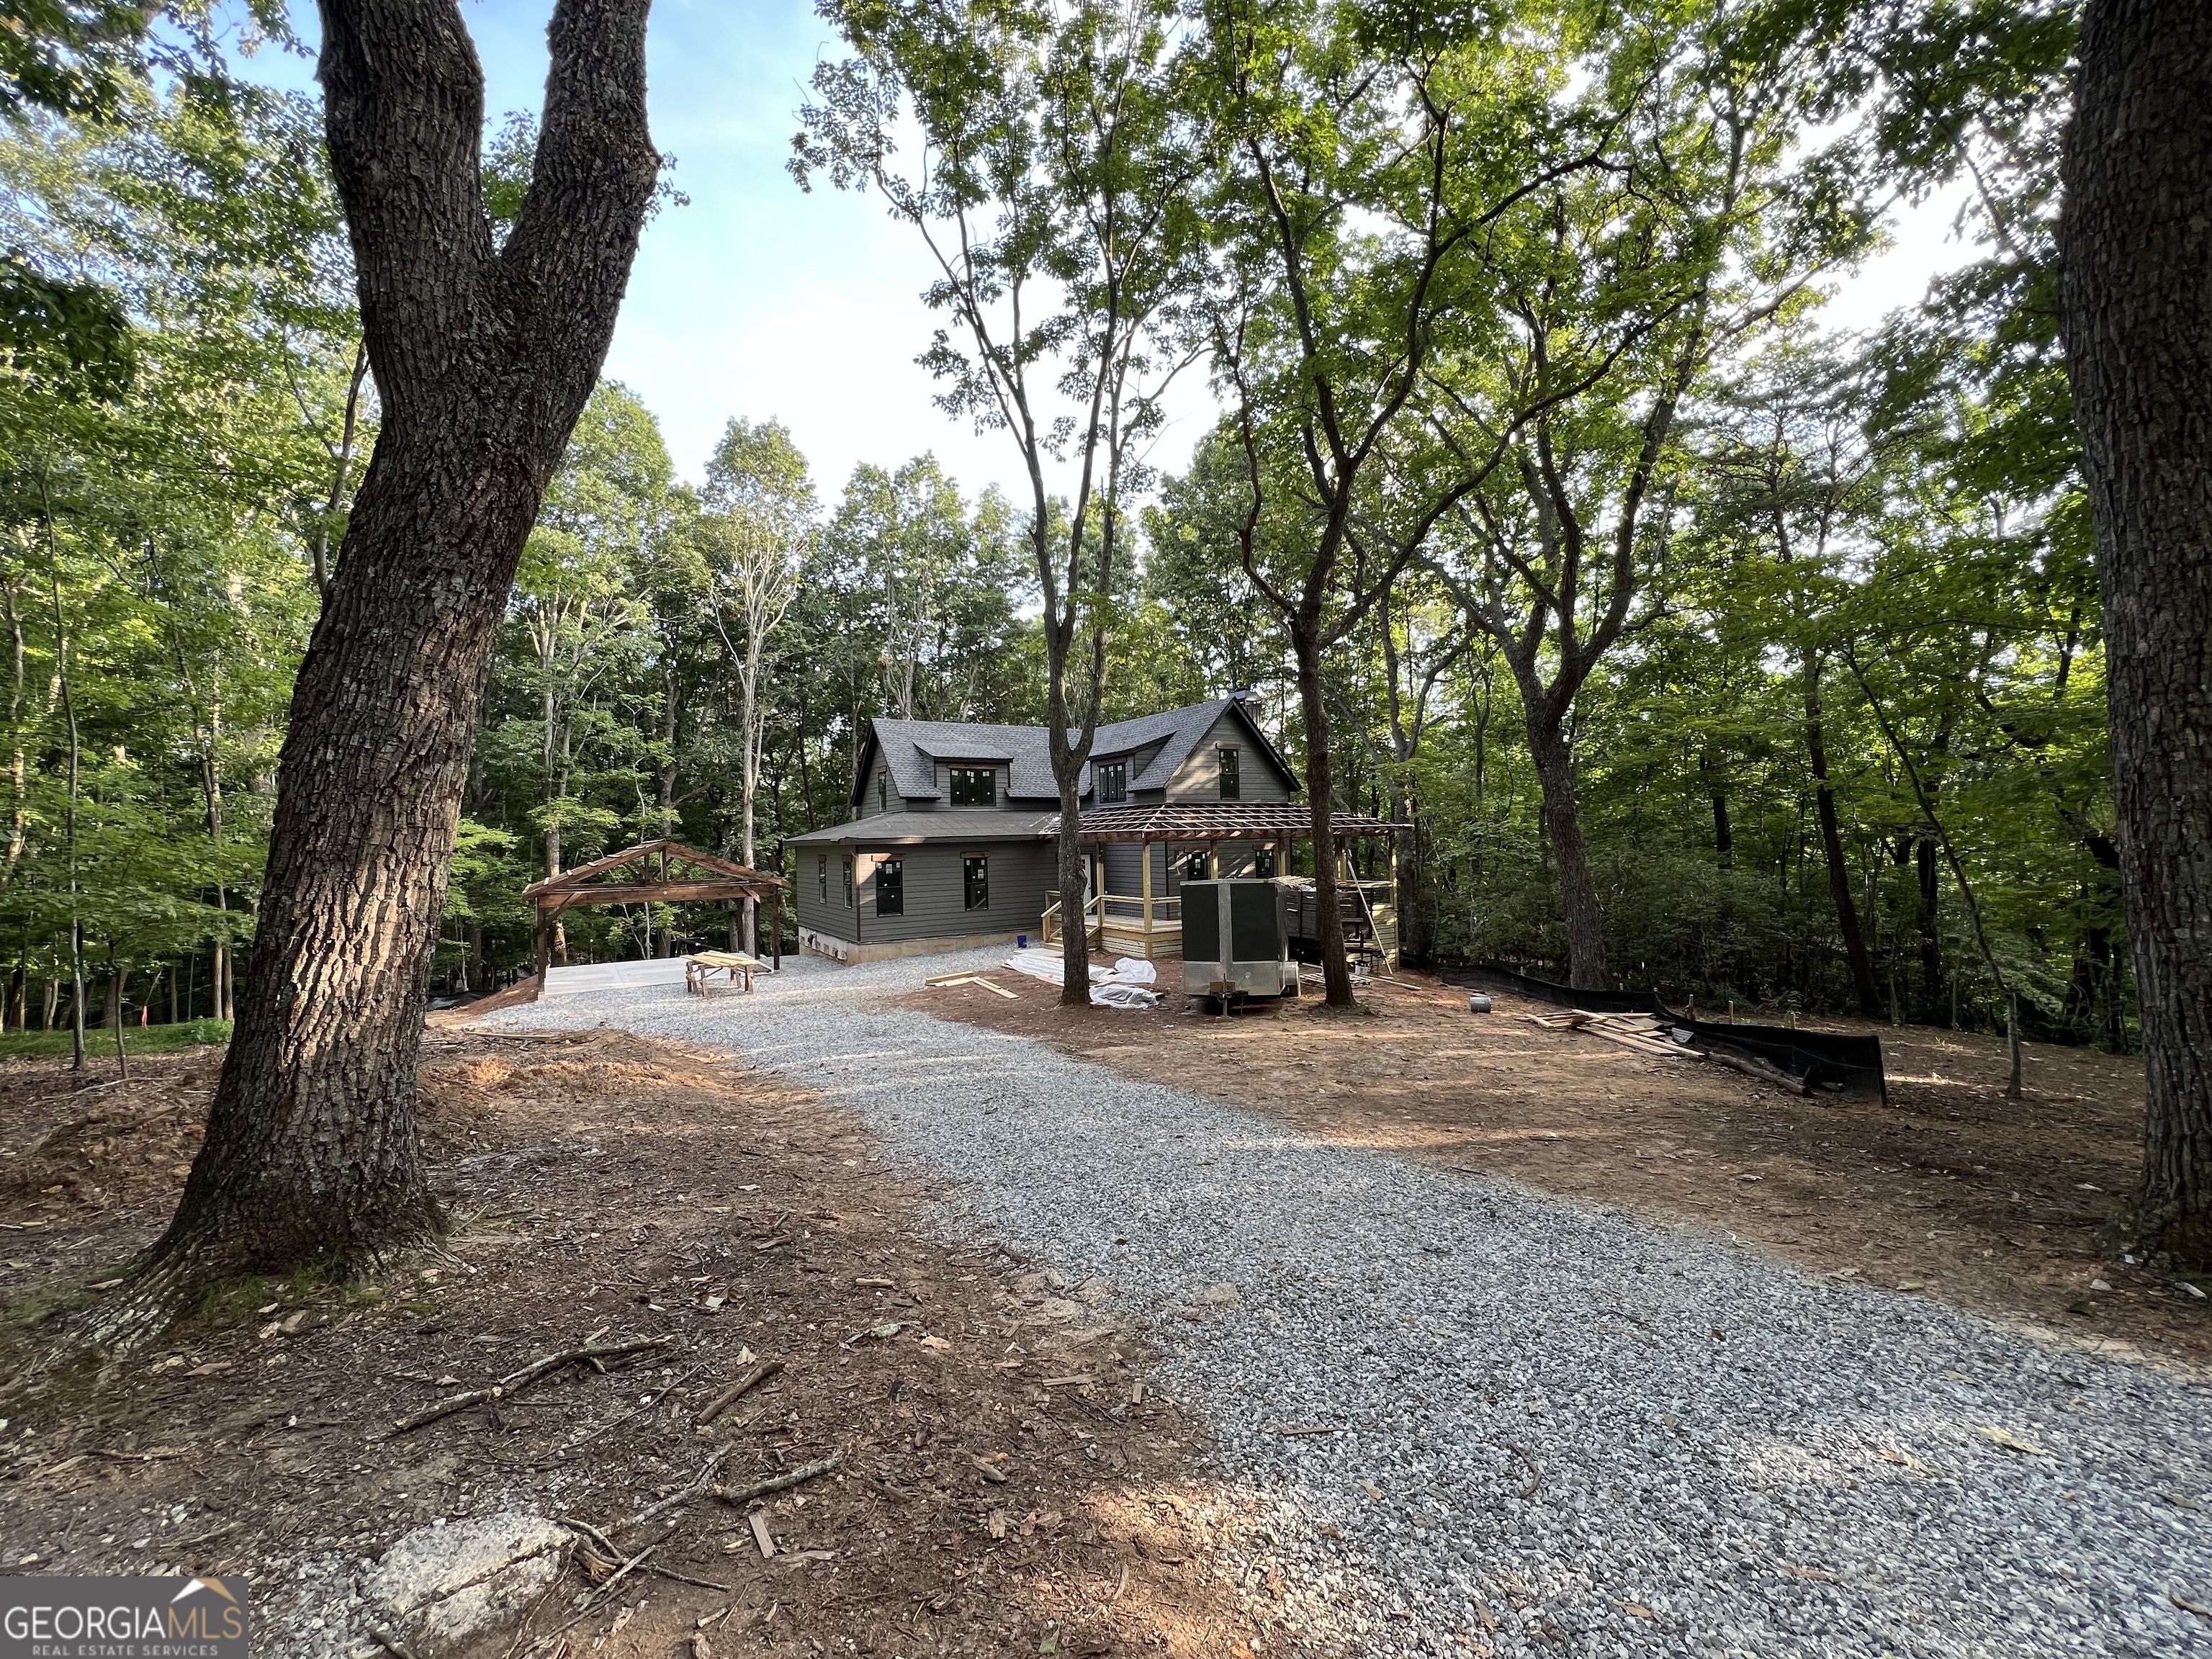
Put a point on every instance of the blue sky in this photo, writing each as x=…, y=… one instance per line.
x=759, y=300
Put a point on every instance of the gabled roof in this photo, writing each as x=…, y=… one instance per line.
x=654, y=871
x=911, y=750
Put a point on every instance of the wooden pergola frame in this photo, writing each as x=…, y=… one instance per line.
x=1204, y=823
x=652, y=872
x=1213, y=822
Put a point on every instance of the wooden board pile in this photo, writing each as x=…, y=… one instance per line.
x=945, y=980
x=1643, y=1033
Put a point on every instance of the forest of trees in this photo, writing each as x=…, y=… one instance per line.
x=1657, y=604
x=1767, y=657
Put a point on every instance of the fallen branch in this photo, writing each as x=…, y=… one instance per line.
x=700, y=1482
x=522, y=1379
x=737, y=1391
x=1751, y=1065
x=776, y=1484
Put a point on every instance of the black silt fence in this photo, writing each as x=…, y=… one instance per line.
x=1827, y=1060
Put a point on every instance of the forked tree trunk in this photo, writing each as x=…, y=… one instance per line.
x=2135, y=237
x=1563, y=832
x=482, y=362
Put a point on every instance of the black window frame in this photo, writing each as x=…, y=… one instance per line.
x=1263, y=863
x=883, y=789
x=1113, y=782
x=890, y=883
x=822, y=874
x=976, y=881
x=954, y=783
x=1230, y=762
x=848, y=881
x=1198, y=866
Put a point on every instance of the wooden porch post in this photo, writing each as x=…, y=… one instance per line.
x=1144, y=849
x=1397, y=914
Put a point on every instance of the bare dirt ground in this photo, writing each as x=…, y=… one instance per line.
x=1008, y=1486
x=1949, y=1191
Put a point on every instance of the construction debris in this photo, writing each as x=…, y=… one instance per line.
x=1643, y=1033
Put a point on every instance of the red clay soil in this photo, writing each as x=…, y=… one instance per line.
x=1949, y=1191
x=1009, y=1484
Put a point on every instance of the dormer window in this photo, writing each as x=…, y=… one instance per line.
x=974, y=785
x=1113, y=782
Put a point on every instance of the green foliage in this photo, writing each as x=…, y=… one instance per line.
x=137, y=1040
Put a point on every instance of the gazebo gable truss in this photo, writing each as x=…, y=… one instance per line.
x=653, y=872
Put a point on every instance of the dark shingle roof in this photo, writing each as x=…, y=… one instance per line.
x=911, y=748
x=947, y=825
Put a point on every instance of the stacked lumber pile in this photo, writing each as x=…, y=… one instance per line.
x=1641, y=1032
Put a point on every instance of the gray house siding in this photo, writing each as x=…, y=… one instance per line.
x=935, y=894
x=872, y=797
x=1199, y=778
x=830, y=916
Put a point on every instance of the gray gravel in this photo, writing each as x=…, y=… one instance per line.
x=1734, y=1457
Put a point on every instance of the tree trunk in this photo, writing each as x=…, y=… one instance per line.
x=1563, y=834
x=1931, y=942
x=1832, y=847
x=2136, y=238
x=483, y=361
x=1723, y=834
x=1328, y=910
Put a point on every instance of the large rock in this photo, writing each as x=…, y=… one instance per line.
x=444, y=1587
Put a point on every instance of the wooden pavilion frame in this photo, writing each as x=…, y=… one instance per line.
x=1147, y=924
x=652, y=872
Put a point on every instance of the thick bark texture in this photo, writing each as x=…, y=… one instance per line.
x=483, y=362
x=2135, y=240
x=1563, y=829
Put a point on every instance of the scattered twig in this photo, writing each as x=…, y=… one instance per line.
x=660, y=1398
x=703, y=1583
x=737, y=1391
x=521, y=1379
x=2188, y=1605
x=784, y=1482
x=599, y=1600
x=1535, y=1471
x=700, y=1482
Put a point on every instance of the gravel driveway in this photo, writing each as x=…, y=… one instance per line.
x=1561, y=1431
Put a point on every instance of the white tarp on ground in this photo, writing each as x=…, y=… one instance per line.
x=612, y=977
x=1121, y=986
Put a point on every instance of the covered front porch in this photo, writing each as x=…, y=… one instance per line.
x=1203, y=840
